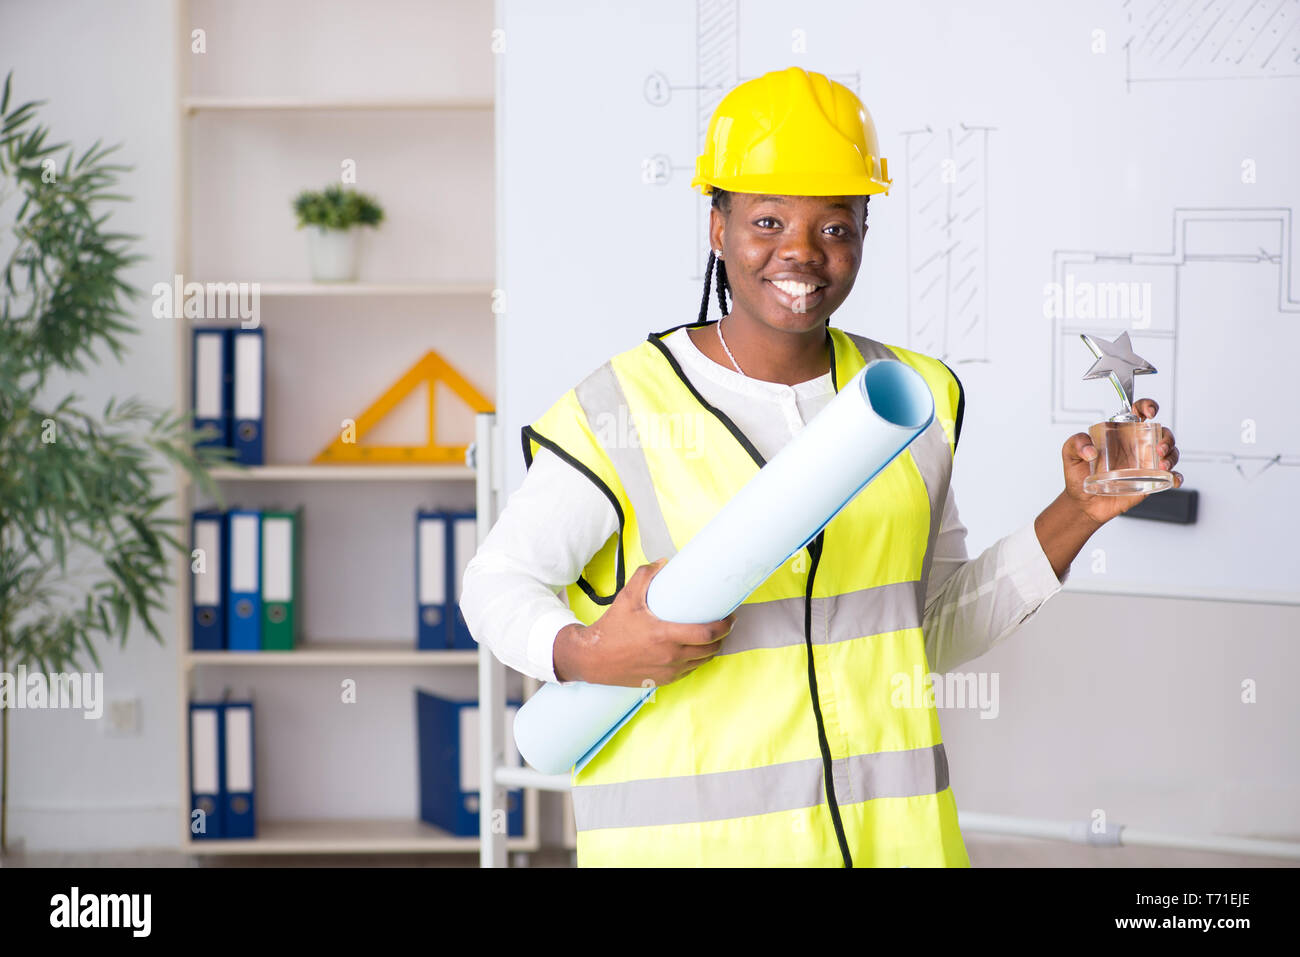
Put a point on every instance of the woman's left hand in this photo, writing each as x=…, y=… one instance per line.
x=1078, y=453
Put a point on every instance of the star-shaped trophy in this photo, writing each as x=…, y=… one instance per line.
x=1127, y=462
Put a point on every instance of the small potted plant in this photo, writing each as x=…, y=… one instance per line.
x=333, y=217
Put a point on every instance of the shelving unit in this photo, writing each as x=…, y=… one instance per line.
x=351, y=836
x=345, y=473
x=375, y=652
x=244, y=104
x=375, y=289
x=360, y=834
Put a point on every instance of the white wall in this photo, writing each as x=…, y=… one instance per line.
x=107, y=72
x=1133, y=706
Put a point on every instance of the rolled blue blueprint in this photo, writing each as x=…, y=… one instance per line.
x=878, y=414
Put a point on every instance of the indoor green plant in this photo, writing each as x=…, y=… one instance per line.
x=333, y=217
x=86, y=545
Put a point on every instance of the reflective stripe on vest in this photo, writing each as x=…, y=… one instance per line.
x=761, y=790
x=724, y=763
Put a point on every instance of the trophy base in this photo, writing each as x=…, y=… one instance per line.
x=1126, y=462
x=1128, y=482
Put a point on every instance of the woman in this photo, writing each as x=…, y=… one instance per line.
x=773, y=737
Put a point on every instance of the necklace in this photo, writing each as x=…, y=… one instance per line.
x=728, y=351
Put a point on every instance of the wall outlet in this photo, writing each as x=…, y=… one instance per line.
x=122, y=718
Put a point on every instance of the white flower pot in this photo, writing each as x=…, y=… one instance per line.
x=333, y=253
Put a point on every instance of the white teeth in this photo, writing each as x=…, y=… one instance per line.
x=794, y=288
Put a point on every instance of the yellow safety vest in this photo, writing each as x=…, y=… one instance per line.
x=729, y=765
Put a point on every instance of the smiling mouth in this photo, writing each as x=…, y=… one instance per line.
x=794, y=294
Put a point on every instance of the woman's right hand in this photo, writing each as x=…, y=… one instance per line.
x=629, y=646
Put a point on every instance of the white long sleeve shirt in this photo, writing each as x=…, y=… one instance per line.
x=557, y=520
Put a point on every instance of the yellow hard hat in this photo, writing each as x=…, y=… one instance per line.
x=792, y=133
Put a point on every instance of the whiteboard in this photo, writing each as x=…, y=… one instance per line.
x=1142, y=155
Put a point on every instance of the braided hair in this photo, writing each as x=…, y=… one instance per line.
x=722, y=202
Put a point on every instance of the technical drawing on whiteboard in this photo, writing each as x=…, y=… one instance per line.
x=1225, y=40
x=1211, y=314
x=717, y=69
x=945, y=185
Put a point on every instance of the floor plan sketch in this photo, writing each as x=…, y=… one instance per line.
x=1223, y=298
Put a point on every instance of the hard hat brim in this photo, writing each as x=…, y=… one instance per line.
x=795, y=184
